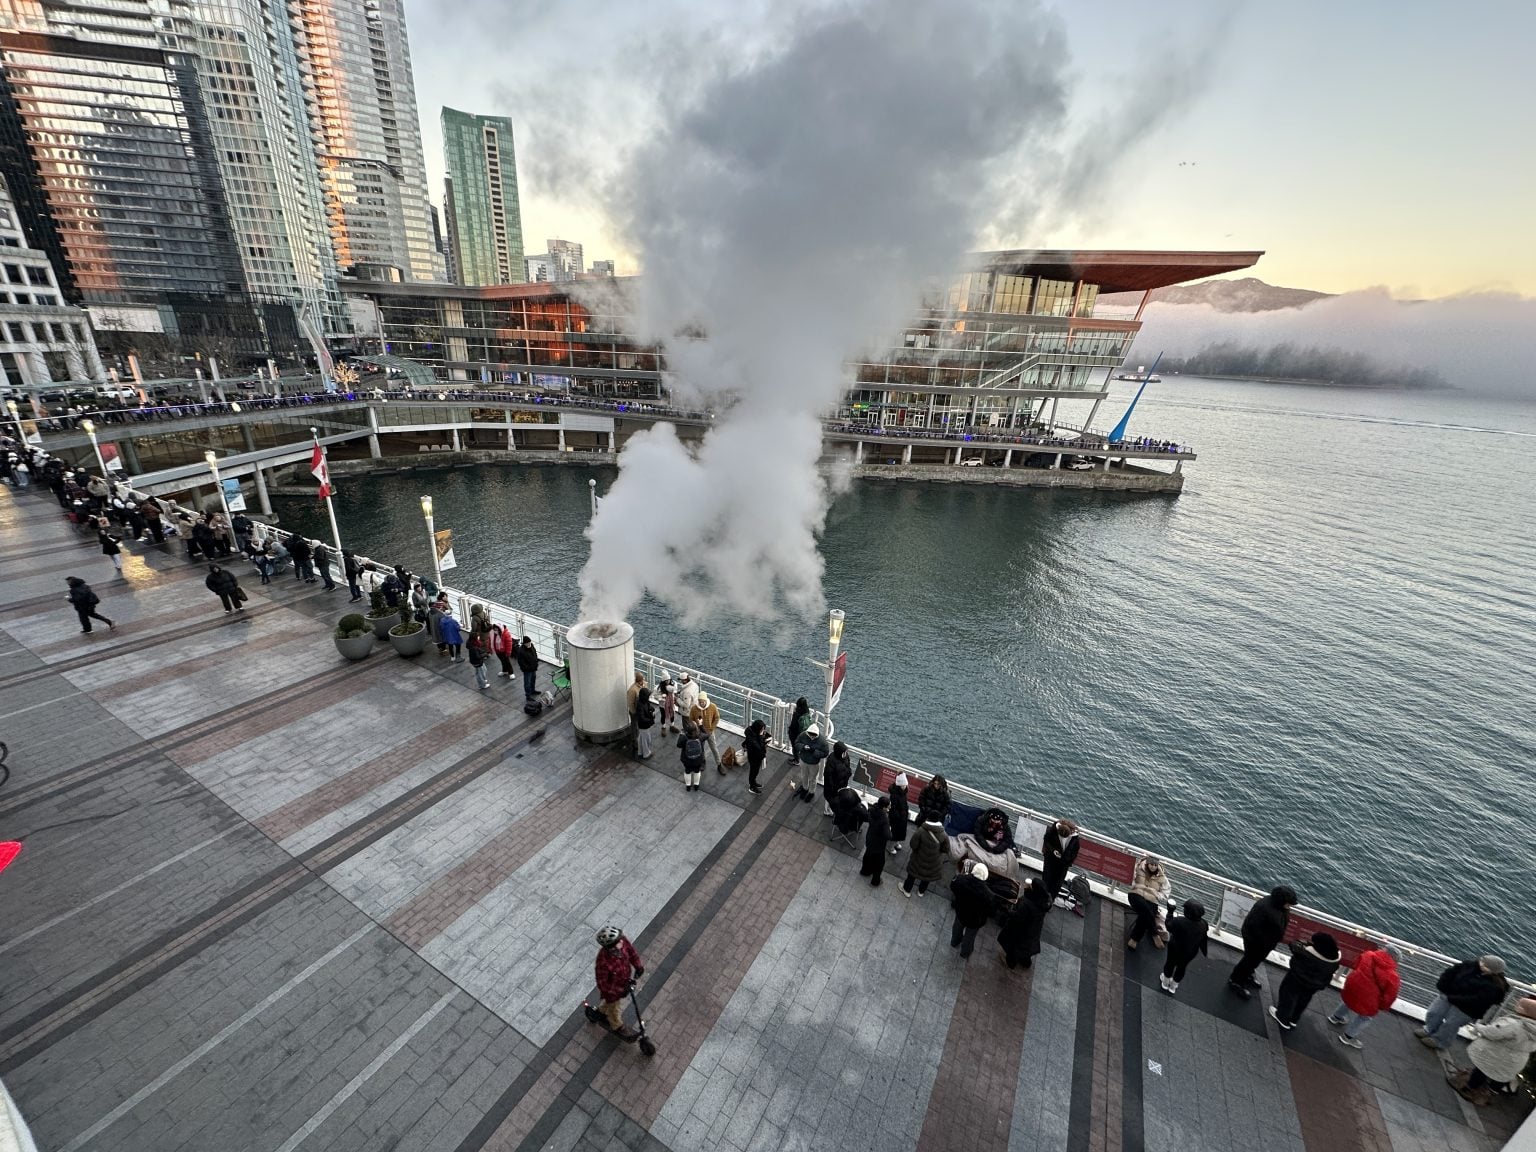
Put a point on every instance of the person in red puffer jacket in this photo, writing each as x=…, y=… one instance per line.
x=1369, y=990
x=618, y=964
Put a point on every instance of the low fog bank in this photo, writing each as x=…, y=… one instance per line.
x=1481, y=342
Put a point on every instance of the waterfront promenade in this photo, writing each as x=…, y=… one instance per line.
x=273, y=901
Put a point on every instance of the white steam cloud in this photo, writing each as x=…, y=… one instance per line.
x=1482, y=342
x=791, y=211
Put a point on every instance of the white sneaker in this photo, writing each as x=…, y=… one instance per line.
x=1173, y=987
x=907, y=893
x=1162, y=981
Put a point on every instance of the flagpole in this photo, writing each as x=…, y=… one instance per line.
x=341, y=559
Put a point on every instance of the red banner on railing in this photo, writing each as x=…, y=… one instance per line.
x=885, y=776
x=1102, y=860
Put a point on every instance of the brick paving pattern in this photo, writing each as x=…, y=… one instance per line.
x=272, y=901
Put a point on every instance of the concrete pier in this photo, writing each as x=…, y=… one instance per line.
x=273, y=901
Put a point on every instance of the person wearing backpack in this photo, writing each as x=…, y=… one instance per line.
x=504, y=646
x=84, y=602
x=693, y=757
x=645, y=720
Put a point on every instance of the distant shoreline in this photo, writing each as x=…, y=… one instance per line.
x=1311, y=383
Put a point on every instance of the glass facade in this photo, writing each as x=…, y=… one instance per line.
x=354, y=64
x=485, y=222
x=119, y=153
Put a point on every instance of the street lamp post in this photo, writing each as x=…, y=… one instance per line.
x=426, y=510
x=834, y=644
x=213, y=466
x=89, y=426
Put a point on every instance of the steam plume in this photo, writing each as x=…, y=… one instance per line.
x=791, y=211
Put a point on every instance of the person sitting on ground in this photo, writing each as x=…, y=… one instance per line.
x=1313, y=964
x=875, y=838
x=1499, y=1052
x=618, y=967
x=973, y=908
x=1370, y=990
x=1188, y=937
x=810, y=751
x=1149, y=892
x=1019, y=936
x=1467, y=992
x=836, y=774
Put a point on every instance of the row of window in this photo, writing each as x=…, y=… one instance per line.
x=43, y=332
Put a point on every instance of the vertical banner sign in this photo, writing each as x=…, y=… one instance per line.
x=110, y=458
x=232, y=494
x=839, y=673
x=445, y=558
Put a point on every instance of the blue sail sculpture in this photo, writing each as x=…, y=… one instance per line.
x=1118, y=432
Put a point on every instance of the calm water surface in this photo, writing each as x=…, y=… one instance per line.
x=1312, y=666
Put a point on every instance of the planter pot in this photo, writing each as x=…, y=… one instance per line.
x=413, y=645
x=382, y=624
x=355, y=647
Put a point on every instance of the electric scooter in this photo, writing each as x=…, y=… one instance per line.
x=646, y=1046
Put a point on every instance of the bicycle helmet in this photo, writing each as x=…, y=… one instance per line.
x=609, y=936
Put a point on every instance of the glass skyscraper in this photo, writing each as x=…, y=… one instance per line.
x=485, y=225
x=355, y=67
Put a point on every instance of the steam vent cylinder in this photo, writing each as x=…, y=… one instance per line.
x=602, y=669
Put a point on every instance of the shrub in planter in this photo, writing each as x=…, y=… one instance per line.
x=381, y=617
x=409, y=638
x=353, y=637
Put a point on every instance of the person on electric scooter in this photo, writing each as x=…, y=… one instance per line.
x=618, y=966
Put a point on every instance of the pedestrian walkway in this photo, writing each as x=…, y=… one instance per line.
x=272, y=901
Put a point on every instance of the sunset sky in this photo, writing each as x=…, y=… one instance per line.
x=1362, y=144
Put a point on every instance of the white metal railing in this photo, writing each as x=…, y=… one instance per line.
x=739, y=705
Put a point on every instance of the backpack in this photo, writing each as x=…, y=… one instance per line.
x=533, y=707
x=693, y=750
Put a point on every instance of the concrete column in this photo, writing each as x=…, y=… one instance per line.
x=263, y=501
x=1008, y=458
x=98, y=370
x=1055, y=400
x=906, y=454
x=1092, y=412
x=511, y=439
x=39, y=367
x=130, y=456
x=457, y=445
x=1106, y=465
x=75, y=363
x=858, y=451
x=373, y=432
x=1178, y=466
x=1057, y=465
x=610, y=441
x=562, y=438
x=247, y=437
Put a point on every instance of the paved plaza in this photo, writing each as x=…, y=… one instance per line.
x=273, y=901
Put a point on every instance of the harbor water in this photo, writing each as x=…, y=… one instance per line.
x=1310, y=667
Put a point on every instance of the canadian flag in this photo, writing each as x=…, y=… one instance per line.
x=317, y=466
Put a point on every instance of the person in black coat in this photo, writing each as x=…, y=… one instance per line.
x=1188, y=937
x=933, y=800
x=223, y=582
x=322, y=558
x=1058, y=848
x=755, y=743
x=1312, y=967
x=836, y=774
x=201, y=542
x=973, y=908
x=302, y=553
x=353, y=567
x=1020, y=933
x=876, y=836
x=1263, y=929
x=899, y=812
x=84, y=602
x=1466, y=992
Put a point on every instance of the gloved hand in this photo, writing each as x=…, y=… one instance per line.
x=639, y=972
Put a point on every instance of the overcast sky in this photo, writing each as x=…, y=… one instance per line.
x=1360, y=144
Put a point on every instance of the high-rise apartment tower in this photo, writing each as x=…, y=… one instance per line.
x=484, y=224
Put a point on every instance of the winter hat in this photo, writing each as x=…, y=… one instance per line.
x=813, y=730
x=839, y=747
x=1494, y=964
x=1325, y=945
x=980, y=872
x=704, y=699
x=1193, y=909
x=1393, y=951
x=901, y=780
x=686, y=677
